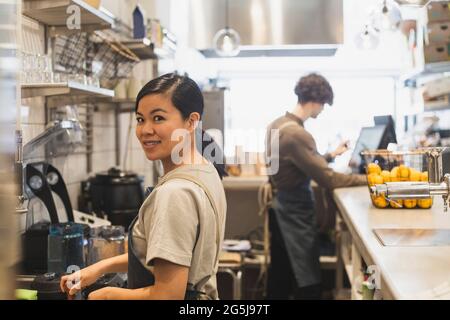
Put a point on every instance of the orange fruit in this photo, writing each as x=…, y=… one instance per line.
x=373, y=168
x=424, y=176
x=371, y=179
x=409, y=203
x=378, y=179
x=403, y=172
x=425, y=203
x=394, y=174
x=414, y=175
x=379, y=201
x=386, y=175
x=397, y=203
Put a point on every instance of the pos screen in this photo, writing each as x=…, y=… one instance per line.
x=370, y=138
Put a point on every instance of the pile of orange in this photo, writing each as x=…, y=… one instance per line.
x=375, y=175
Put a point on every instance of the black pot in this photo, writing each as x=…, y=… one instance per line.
x=116, y=194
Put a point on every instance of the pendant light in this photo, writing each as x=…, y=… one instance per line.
x=387, y=16
x=413, y=2
x=368, y=39
x=226, y=41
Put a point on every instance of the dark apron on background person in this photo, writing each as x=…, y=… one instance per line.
x=294, y=227
x=296, y=218
x=139, y=276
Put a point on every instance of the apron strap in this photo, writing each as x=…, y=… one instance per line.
x=210, y=198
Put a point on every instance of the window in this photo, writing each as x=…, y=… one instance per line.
x=252, y=103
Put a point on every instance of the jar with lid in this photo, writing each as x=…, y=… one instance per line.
x=106, y=242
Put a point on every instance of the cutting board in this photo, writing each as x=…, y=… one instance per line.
x=413, y=237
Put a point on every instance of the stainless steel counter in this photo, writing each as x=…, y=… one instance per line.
x=407, y=272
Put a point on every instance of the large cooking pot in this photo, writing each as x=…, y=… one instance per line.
x=116, y=194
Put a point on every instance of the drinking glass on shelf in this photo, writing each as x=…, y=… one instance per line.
x=47, y=69
x=78, y=78
x=93, y=81
x=59, y=77
x=26, y=61
x=22, y=67
x=36, y=68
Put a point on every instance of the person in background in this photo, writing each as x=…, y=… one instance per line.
x=174, y=242
x=295, y=266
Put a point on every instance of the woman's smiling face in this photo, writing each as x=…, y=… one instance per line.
x=157, y=118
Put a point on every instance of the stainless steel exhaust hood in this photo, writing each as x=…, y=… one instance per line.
x=270, y=27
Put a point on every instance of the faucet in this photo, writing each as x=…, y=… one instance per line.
x=60, y=138
x=437, y=185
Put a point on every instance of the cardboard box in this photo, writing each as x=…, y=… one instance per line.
x=437, y=53
x=437, y=88
x=438, y=11
x=439, y=32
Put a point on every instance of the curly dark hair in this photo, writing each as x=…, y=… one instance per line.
x=314, y=88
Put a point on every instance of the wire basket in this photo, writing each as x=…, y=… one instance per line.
x=97, y=54
x=70, y=53
x=113, y=59
x=394, y=166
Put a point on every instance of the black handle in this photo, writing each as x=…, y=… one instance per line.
x=44, y=193
x=61, y=190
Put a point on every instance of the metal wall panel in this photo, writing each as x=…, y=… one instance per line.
x=267, y=22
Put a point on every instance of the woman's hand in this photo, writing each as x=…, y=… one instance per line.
x=73, y=283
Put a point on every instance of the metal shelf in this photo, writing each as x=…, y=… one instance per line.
x=121, y=105
x=431, y=71
x=66, y=88
x=143, y=48
x=123, y=101
x=437, y=108
x=54, y=14
x=124, y=105
x=146, y=50
x=417, y=3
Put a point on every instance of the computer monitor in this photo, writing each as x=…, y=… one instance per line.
x=389, y=134
x=370, y=138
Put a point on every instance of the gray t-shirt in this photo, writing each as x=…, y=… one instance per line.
x=177, y=223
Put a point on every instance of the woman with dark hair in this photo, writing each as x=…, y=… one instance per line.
x=295, y=267
x=174, y=242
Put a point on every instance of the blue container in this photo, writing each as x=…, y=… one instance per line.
x=65, y=247
x=138, y=24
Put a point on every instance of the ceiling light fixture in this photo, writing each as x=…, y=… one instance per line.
x=387, y=16
x=227, y=41
x=368, y=39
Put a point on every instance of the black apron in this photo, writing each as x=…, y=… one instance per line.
x=140, y=277
x=296, y=218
